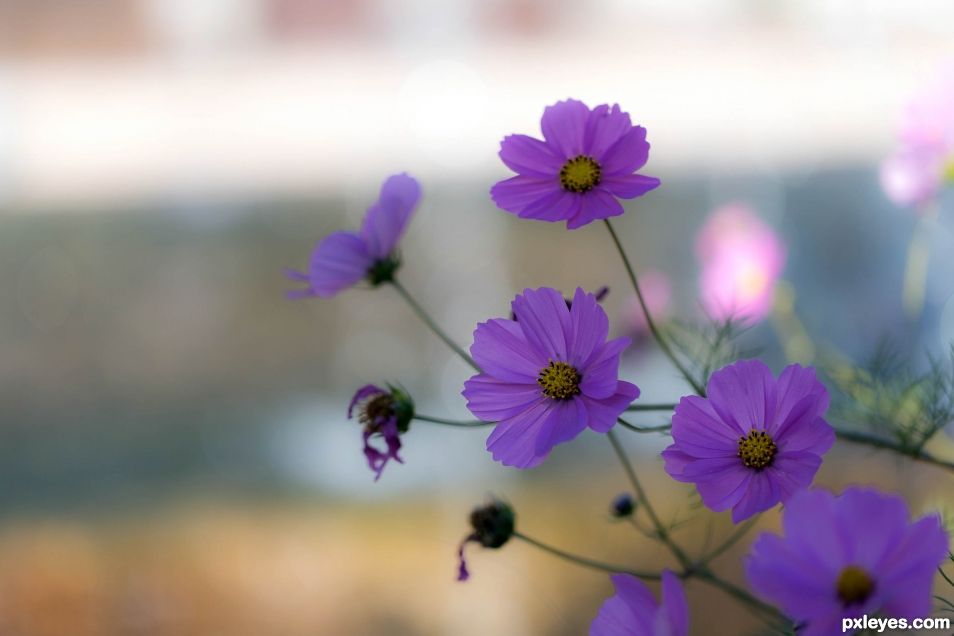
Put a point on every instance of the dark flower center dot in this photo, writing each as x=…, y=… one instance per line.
x=757, y=449
x=559, y=381
x=376, y=410
x=854, y=585
x=580, y=174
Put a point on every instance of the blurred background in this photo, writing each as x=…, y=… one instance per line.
x=174, y=452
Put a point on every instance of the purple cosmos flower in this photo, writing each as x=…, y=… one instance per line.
x=385, y=414
x=846, y=557
x=343, y=259
x=754, y=441
x=634, y=612
x=547, y=375
x=493, y=524
x=578, y=174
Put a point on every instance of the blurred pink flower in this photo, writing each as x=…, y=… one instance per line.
x=658, y=295
x=924, y=158
x=742, y=258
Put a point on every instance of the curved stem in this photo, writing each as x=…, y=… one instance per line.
x=663, y=343
x=662, y=428
x=741, y=595
x=644, y=500
x=729, y=542
x=878, y=442
x=423, y=315
x=446, y=422
x=587, y=562
x=651, y=407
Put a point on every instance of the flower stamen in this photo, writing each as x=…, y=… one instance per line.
x=580, y=174
x=854, y=585
x=757, y=449
x=559, y=381
x=376, y=410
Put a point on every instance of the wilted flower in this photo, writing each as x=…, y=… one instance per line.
x=343, y=259
x=924, y=158
x=579, y=172
x=754, y=441
x=386, y=414
x=741, y=258
x=622, y=506
x=493, y=525
x=546, y=375
x=633, y=611
x=847, y=556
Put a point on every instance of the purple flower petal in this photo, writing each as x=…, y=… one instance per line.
x=627, y=155
x=557, y=205
x=529, y=156
x=493, y=400
x=338, y=262
x=603, y=413
x=589, y=327
x=601, y=372
x=545, y=321
x=675, y=607
x=567, y=420
x=563, y=126
x=761, y=494
x=792, y=471
x=387, y=219
x=501, y=349
x=516, y=193
x=595, y=205
x=744, y=394
x=630, y=612
x=513, y=441
x=362, y=394
x=629, y=186
x=604, y=127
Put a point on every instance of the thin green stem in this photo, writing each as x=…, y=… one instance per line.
x=878, y=442
x=587, y=562
x=423, y=315
x=651, y=407
x=736, y=592
x=446, y=422
x=644, y=500
x=663, y=343
x=662, y=428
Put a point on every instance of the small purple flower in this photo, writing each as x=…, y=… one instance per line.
x=547, y=375
x=754, y=441
x=580, y=172
x=343, y=259
x=634, y=612
x=385, y=414
x=847, y=556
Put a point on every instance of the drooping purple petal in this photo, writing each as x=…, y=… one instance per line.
x=528, y=156
x=563, y=126
x=362, y=394
x=387, y=219
x=513, y=441
x=567, y=420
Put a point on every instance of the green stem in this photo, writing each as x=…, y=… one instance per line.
x=586, y=562
x=878, y=442
x=729, y=542
x=663, y=343
x=651, y=407
x=644, y=500
x=662, y=428
x=433, y=325
x=446, y=422
x=736, y=592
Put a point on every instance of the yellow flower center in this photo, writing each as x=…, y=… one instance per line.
x=757, y=449
x=580, y=174
x=854, y=585
x=559, y=381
